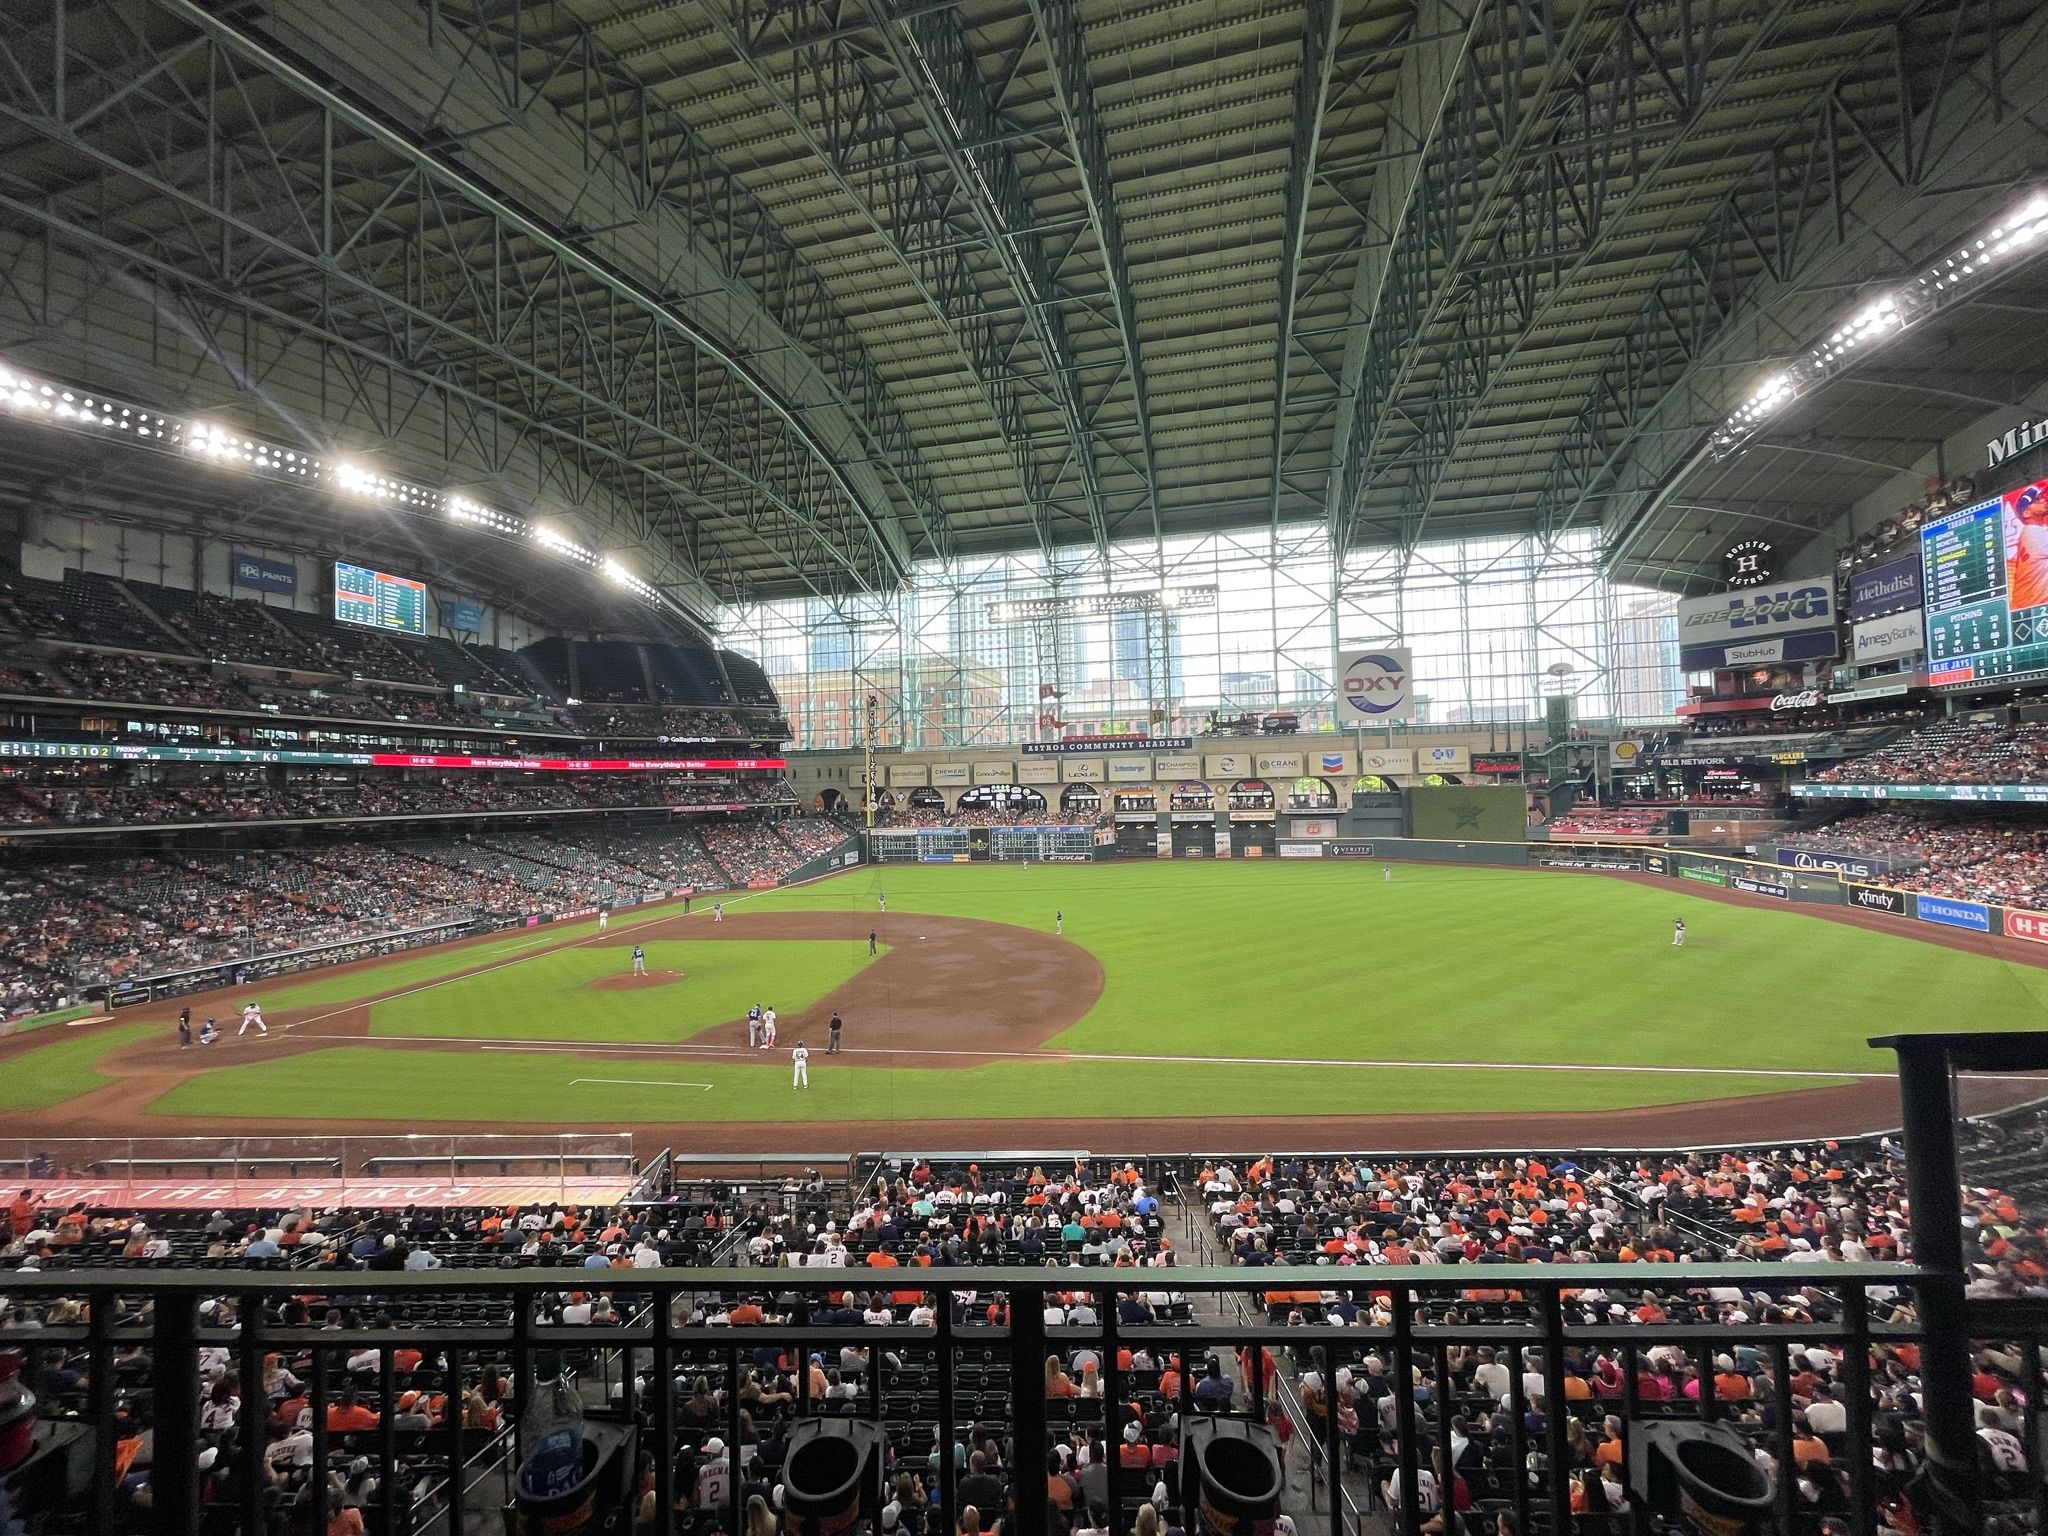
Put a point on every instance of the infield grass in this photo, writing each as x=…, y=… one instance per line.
x=64, y=1069
x=1456, y=976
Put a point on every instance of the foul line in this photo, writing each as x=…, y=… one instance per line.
x=643, y=1082
x=630, y=1049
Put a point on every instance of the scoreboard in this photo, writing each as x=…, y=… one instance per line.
x=379, y=600
x=1984, y=573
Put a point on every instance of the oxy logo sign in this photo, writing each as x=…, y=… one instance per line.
x=1374, y=685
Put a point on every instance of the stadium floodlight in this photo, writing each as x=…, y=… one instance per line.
x=1092, y=605
x=2019, y=236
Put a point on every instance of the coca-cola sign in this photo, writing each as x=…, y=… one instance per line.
x=1806, y=698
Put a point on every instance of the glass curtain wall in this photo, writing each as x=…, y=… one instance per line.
x=1206, y=632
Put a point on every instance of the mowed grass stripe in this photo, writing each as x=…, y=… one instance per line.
x=1320, y=960
x=485, y=1088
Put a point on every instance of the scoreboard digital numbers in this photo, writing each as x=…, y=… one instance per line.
x=1984, y=571
x=379, y=600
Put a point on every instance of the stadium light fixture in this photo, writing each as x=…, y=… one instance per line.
x=1952, y=277
x=23, y=394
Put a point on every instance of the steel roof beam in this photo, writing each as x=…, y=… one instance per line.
x=822, y=87
x=1059, y=29
x=1467, y=106
x=685, y=194
x=1566, y=196
x=823, y=476
x=1319, y=23
x=1818, y=201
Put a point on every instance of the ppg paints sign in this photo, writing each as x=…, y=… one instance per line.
x=1375, y=687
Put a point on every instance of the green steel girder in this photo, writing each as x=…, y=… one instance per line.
x=240, y=175
x=1794, y=206
x=1059, y=30
x=1616, y=128
x=1320, y=20
x=829, y=85
x=1490, y=91
x=543, y=55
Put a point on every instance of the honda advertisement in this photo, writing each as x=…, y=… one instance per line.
x=1972, y=915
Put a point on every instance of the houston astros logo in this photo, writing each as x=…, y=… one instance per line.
x=1375, y=683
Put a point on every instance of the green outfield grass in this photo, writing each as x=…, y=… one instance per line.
x=64, y=1069
x=550, y=996
x=1275, y=978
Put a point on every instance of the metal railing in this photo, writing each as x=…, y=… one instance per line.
x=492, y=1318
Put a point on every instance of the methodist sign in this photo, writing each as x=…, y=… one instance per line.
x=1375, y=687
x=1784, y=621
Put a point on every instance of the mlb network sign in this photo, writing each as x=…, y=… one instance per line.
x=1375, y=687
x=1799, y=605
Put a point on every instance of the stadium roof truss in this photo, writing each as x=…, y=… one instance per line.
x=779, y=297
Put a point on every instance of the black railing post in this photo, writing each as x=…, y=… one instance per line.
x=1934, y=1192
x=1112, y=1411
x=1027, y=1402
x=251, y=1440
x=174, y=1468
x=318, y=1403
x=99, y=1399
x=387, y=1440
x=451, y=1427
x=1856, y=1382
x=949, y=1474
x=1518, y=1437
x=1333, y=1442
x=1441, y=1363
x=1407, y=1449
x=1781, y=1431
x=1554, y=1410
x=522, y=1370
x=664, y=1389
x=735, y=1469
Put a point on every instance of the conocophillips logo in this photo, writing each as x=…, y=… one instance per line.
x=1375, y=683
x=1761, y=610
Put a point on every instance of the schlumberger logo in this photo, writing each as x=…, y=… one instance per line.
x=1760, y=610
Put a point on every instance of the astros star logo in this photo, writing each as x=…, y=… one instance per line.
x=1467, y=814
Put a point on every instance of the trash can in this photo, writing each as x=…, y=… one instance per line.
x=1702, y=1474
x=600, y=1501
x=1230, y=1474
x=832, y=1476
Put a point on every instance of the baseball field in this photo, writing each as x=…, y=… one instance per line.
x=1180, y=998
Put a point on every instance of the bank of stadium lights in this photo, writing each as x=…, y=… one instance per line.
x=1095, y=605
x=2021, y=235
x=23, y=394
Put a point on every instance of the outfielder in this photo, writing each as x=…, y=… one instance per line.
x=1678, y=934
x=800, y=1065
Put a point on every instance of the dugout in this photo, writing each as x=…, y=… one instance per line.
x=1194, y=834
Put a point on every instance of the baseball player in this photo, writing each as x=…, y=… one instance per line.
x=753, y=1026
x=686, y=903
x=252, y=1018
x=208, y=1033
x=882, y=900
x=1059, y=922
x=604, y=918
x=639, y=961
x=768, y=1030
x=800, y=1064
x=1386, y=871
x=1678, y=934
x=871, y=941
x=832, y=1045
x=718, y=911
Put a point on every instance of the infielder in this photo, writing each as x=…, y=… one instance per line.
x=639, y=961
x=800, y=1065
x=753, y=1026
x=718, y=911
x=882, y=900
x=252, y=1018
x=604, y=918
x=768, y=1030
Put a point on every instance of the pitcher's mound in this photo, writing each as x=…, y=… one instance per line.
x=628, y=982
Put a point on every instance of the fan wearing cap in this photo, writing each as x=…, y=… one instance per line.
x=714, y=1476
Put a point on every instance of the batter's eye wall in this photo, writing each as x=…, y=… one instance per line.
x=1492, y=813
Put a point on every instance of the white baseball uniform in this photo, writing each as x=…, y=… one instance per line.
x=800, y=1067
